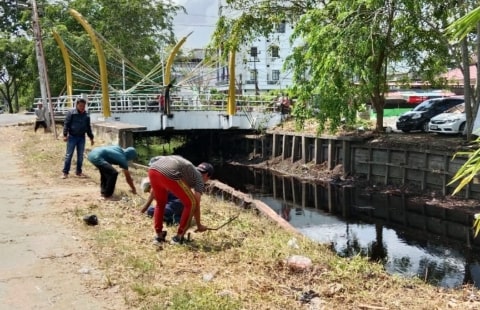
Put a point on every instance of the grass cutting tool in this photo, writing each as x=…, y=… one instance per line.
x=226, y=223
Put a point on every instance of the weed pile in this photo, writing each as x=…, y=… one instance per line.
x=240, y=266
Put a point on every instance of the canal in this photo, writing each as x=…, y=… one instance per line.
x=409, y=239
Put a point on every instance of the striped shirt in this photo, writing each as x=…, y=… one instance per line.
x=178, y=168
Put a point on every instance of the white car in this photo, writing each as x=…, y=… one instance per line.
x=452, y=121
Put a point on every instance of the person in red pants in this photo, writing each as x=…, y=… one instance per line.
x=180, y=177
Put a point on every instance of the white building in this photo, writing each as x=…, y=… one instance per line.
x=259, y=65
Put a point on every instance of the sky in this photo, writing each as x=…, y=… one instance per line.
x=200, y=18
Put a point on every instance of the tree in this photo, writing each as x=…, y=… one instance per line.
x=14, y=73
x=131, y=31
x=348, y=47
x=16, y=76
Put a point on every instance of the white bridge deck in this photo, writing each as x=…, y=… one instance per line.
x=185, y=113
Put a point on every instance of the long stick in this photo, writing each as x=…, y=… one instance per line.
x=226, y=223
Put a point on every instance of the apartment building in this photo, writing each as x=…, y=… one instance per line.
x=259, y=65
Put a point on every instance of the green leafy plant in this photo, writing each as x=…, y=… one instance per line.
x=468, y=172
x=476, y=224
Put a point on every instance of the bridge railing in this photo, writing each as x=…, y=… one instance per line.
x=150, y=103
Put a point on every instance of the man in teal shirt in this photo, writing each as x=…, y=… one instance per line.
x=103, y=158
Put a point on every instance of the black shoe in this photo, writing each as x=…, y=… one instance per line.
x=160, y=238
x=91, y=220
x=177, y=240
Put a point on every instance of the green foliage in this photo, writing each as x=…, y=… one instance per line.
x=13, y=18
x=148, y=147
x=133, y=32
x=469, y=170
x=476, y=224
x=301, y=113
x=202, y=298
x=136, y=30
x=464, y=25
x=15, y=73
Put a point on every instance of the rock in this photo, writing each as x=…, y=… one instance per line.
x=293, y=243
x=298, y=263
x=208, y=277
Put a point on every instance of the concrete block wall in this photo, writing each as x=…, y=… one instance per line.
x=116, y=132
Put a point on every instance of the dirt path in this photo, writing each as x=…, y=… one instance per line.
x=43, y=264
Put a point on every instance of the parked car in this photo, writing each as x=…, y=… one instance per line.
x=452, y=121
x=419, y=117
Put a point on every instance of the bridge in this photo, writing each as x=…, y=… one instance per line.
x=186, y=112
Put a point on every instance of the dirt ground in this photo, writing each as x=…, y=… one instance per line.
x=44, y=264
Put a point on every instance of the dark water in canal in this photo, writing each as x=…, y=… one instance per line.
x=410, y=240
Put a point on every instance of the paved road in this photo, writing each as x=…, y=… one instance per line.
x=7, y=119
x=40, y=258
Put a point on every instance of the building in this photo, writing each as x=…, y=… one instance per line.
x=259, y=65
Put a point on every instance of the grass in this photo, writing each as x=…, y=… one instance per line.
x=241, y=266
x=392, y=112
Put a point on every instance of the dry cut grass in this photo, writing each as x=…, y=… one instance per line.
x=240, y=266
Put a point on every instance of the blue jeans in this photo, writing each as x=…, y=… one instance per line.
x=73, y=142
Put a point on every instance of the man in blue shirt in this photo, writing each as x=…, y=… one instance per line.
x=103, y=157
x=76, y=125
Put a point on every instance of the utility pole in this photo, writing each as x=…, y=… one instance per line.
x=254, y=53
x=219, y=50
x=42, y=68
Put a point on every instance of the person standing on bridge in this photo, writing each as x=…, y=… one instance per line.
x=76, y=125
x=166, y=99
x=180, y=177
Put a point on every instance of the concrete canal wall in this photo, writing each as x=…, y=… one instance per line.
x=426, y=169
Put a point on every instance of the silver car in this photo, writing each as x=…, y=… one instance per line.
x=452, y=121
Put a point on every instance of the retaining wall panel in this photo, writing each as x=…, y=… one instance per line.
x=416, y=160
x=379, y=156
x=435, y=226
x=415, y=221
x=412, y=175
x=457, y=231
x=395, y=173
x=435, y=180
x=434, y=211
x=459, y=216
x=397, y=157
x=378, y=170
x=436, y=162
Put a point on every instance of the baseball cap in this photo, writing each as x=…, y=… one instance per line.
x=205, y=168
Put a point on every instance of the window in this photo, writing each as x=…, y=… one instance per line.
x=275, y=75
x=274, y=51
x=253, y=51
x=281, y=27
x=253, y=75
